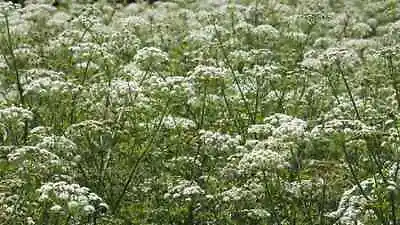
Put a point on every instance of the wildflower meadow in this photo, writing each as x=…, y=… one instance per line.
x=200, y=112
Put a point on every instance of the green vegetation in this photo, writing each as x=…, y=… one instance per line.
x=223, y=112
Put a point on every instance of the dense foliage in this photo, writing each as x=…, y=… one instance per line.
x=200, y=112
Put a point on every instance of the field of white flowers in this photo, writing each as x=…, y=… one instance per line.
x=207, y=112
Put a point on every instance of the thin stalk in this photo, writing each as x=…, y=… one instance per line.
x=395, y=83
x=352, y=171
x=341, y=72
x=232, y=71
x=238, y=123
x=393, y=208
x=203, y=107
x=142, y=156
x=14, y=62
x=269, y=195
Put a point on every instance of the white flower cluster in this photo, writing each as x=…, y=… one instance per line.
x=15, y=113
x=204, y=73
x=345, y=58
x=27, y=54
x=233, y=194
x=88, y=126
x=256, y=213
x=286, y=126
x=303, y=187
x=8, y=7
x=89, y=51
x=184, y=160
x=261, y=159
x=178, y=87
x=59, y=20
x=70, y=198
x=150, y=57
x=34, y=153
x=122, y=90
x=280, y=126
x=174, y=122
x=46, y=83
x=266, y=31
x=352, y=205
x=38, y=11
x=347, y=127
x=58, y=144
x=218, y=141
x=185, y=190
x=261, y=129
x=250, y=191
x=37, y=162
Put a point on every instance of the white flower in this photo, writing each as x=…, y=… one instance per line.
x=219, y=142
x=184, y=189
x=232, y=194
x=266, y=31
x=14, y=113
x=150, y=56
x=256, y=213
x=205, y=73
x=261, y=159
x=352, y=204
x=89, y=209
x=59, y=19
x=349, y=127
x=8, y=7
x=73, y=205
x=343, y=57
x=30, y=221
x=74, y=197
x=56, y=208
x=174, y=122
x=361, y=29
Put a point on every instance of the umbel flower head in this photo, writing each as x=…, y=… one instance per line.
x=70, y=198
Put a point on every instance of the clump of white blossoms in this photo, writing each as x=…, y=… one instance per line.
x=46, y=83
x=203, y=73
x=34, y=164
x=89, y=127
x=58, y=144
x=71, y=199
x=8, y=7
x=266, y=31
x=261, y=129
x=13, y=120
x=286, y=126
x=15, y=114
x=261, y=159
x=347, y=127
x=353, y=204
x=251, y=191
x=258, y=214
x=34, y=153
x=185, y=190
x=304, y=187
x=150, y=58
x=38, y=11
x=280, y=126
x=122, y=91
x=176, y=88
x=344, y=58
x=90, y=52
x=175, y=122
x=219, y=142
